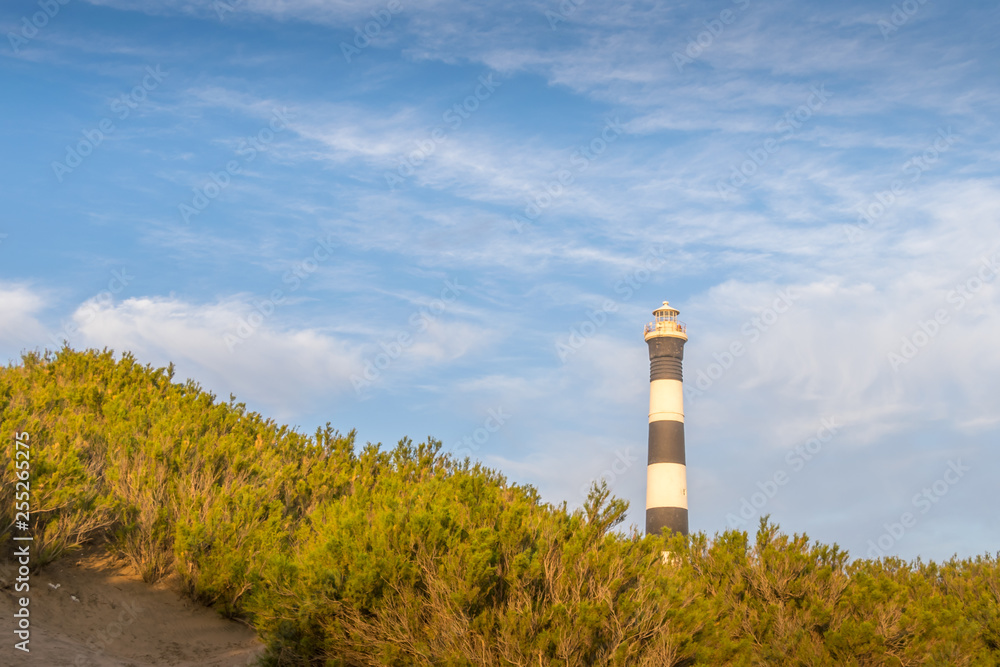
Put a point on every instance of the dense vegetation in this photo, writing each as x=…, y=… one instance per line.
x=343, y=555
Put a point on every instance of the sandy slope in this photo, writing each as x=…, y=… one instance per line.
x=118, y=620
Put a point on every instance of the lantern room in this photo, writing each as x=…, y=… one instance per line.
x=665, y=323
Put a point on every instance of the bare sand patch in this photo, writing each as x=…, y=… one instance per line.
x=89, y=610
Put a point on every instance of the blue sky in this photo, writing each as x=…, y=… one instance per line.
x=427, y=220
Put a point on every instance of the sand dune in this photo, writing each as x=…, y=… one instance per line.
x=87, y=610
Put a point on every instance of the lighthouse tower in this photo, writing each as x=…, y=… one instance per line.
x=666, y=474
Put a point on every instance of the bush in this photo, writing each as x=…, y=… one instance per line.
x=340, y=555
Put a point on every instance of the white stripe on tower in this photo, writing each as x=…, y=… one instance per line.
x=666, y=472
x=666, y=400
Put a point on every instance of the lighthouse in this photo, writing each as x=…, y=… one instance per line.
x=666, y=474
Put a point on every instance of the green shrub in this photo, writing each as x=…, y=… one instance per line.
x=340, y=555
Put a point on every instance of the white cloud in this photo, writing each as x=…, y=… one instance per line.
x=20, y=328
x=232, y=348
x=284, y=370
x=313, y=11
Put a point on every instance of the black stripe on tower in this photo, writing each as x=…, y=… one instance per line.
x=674, y=518
x=665, y=368
x=666, y=442
x=665, y=352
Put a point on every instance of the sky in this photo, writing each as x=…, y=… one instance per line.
x=453, y=219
